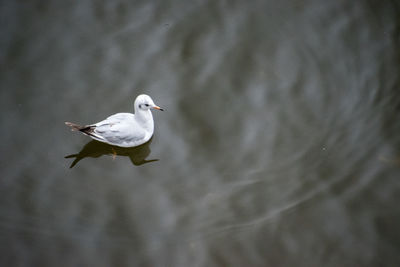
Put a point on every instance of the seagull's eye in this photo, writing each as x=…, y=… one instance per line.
x=146, y=105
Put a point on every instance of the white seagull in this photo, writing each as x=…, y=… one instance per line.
x=123, y=129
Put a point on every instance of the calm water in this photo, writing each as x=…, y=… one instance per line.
x=279, y=145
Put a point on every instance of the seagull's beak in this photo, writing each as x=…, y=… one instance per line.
x=158, y=108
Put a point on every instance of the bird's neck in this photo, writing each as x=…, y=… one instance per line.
x=145, y=118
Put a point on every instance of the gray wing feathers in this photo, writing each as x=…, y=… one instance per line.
x=119, y=129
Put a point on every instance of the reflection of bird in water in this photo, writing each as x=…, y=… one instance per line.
x=97, y=149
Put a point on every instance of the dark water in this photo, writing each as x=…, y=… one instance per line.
x=279, y=145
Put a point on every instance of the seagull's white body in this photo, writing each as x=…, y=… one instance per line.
x=124, y=129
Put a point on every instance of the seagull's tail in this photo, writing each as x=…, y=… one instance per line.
x=87, y=129
x=74, y=127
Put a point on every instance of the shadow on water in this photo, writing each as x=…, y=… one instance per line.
x=95, y=149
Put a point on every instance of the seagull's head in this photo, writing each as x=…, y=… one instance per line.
x=144, y=102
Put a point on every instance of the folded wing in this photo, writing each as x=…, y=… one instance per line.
x=120, y=129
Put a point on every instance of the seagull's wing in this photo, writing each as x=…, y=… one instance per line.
x=120, y=129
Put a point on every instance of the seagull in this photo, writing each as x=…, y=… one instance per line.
x=123, y=129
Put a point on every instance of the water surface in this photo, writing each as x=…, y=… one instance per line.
x=279, y=145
